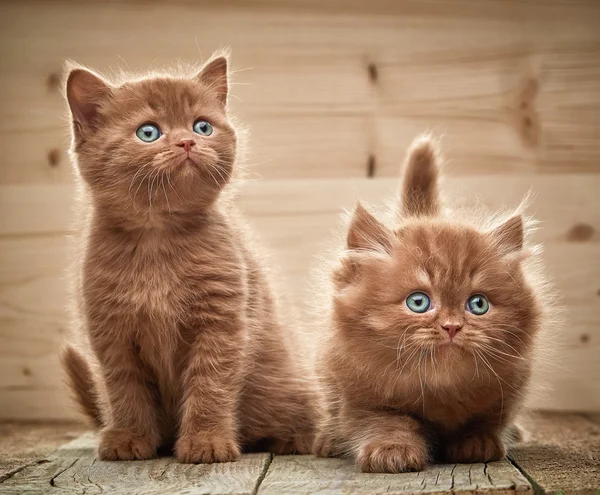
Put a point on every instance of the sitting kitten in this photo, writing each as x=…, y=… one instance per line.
x=433, y=329
x=183, y=338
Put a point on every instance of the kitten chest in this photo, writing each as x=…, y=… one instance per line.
x=142, y=279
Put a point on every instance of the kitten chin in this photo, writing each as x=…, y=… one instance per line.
x=434, y=324
x=182, y=342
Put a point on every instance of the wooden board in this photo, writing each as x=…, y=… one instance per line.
x=74, y=469
x=306, y=475
x=296, y=220
x=328, y=88
x=25, y=444
x=562, y=454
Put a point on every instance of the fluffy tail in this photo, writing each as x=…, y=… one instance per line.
x=81, y=381
x=420, y=195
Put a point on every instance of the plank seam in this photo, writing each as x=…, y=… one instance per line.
x=537, y=489
x=263, y=474
x=61, y=472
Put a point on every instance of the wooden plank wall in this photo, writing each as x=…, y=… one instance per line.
x=333, y=91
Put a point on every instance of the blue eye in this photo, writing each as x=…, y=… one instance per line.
x=203, y=128
x=148, y=133
x=418, y=302
x=478, y=305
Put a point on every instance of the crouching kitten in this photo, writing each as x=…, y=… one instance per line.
x=179, y=340
x=433, y=330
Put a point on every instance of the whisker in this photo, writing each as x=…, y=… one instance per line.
x=140, y=185
x=499, y=383
x=162, y=182
x=498, y=351
x=173, y=187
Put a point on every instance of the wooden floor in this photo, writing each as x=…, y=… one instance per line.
x=562, y=456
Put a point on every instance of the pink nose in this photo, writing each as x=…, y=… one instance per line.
x=452, y=329
x=187, y=144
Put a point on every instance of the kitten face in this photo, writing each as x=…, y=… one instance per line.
x=156, y=145
x=437, y=288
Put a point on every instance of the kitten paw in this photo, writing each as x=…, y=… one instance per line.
x=323, y=446
x=481, y=448
x=117, y=444
x=390, y=457
x=200, y=449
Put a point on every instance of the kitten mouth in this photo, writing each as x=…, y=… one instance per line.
x=188, y=160
x=449, y=344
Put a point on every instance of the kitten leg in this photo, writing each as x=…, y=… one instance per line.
x=211, y=384
x=385, y=442
x=327, y=440
x=476, y=442
x=132, y=431
x=298, y=420
x=278, y=409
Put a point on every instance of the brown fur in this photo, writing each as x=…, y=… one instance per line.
x=399, y=391
x=181, y=338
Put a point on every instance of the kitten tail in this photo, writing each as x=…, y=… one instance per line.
x=420, y=195
x=81, y=381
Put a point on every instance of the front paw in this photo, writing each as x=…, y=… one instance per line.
x=203, y=449
x=476, y=448
x=392, y=457
x=118, y=444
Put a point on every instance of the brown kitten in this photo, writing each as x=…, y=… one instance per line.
x=182, y=338
x=434, y=325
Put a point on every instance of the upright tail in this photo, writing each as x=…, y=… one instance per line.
x=420, y=195
x=81, y=381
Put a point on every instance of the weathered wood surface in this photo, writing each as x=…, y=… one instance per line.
x=305, y=475
x=295, y=219
x=74, y=469
x=562, y=454
x=22, y=444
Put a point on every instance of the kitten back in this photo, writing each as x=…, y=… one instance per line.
x=420, y=195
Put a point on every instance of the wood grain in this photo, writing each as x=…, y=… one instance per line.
x=561, y=455
x=74, y=469
x=308, y=474
x=515, y=86
x=25, y=444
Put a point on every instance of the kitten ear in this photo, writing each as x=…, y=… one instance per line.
x=510, y=235
x=214, y=76
x=366, y=233
x=85, y=93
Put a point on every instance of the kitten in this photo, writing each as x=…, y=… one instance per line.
x=183, y=341
x=434, y=327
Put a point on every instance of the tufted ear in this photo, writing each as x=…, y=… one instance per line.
x=85, y=93
x=510, y=235
x=214, y=76
x=366, y=233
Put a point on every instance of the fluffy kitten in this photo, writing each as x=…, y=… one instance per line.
x=181, y=338
x=434, y=324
